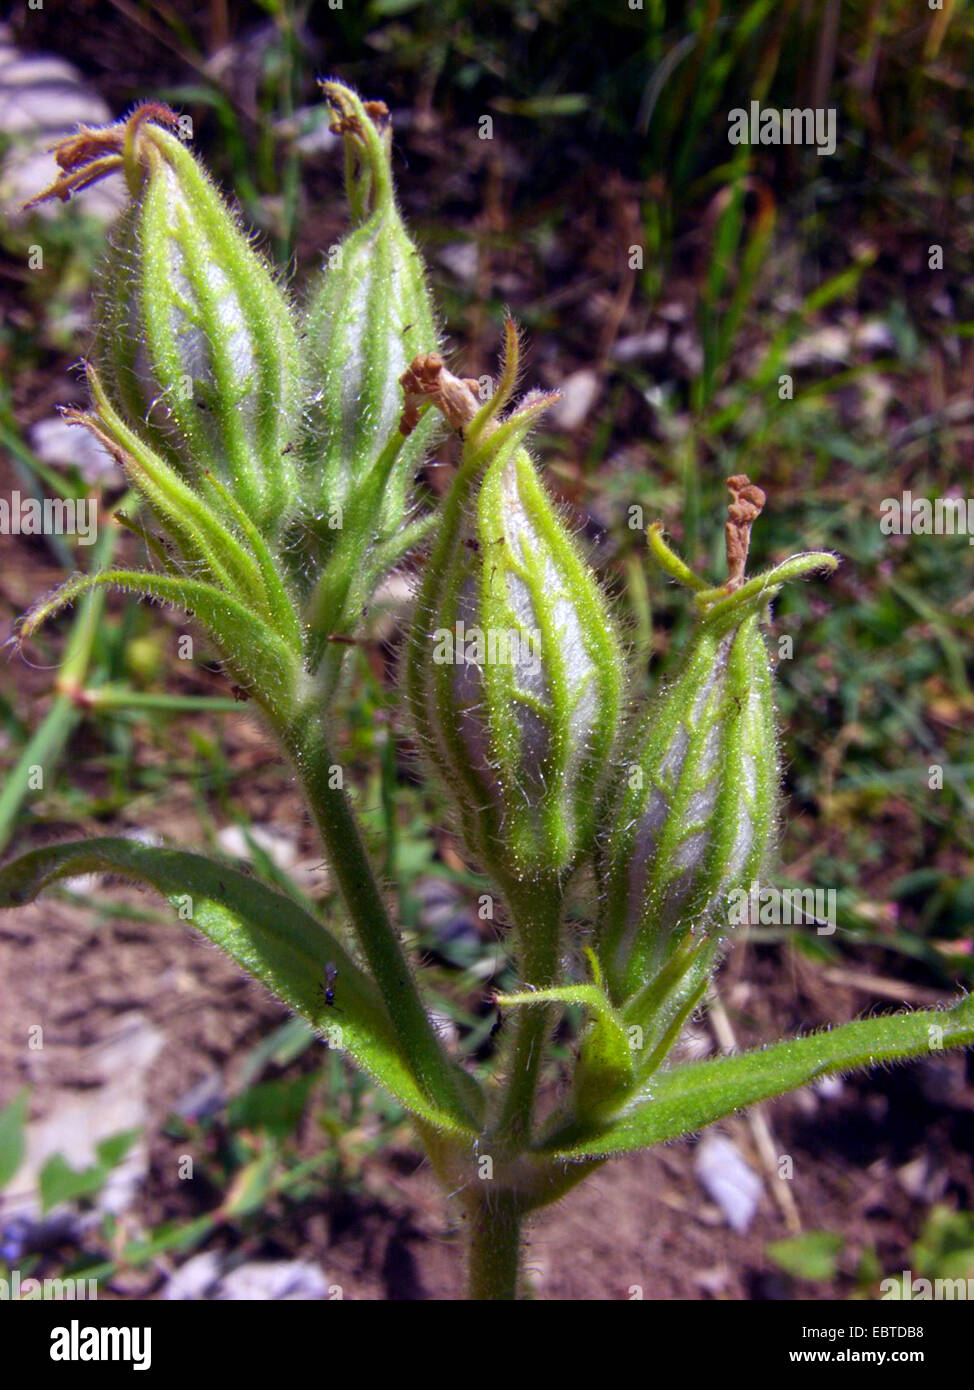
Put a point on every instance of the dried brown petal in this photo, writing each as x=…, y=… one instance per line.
x=742, y=512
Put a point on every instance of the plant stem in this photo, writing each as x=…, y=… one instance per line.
x=536, y=910
x=494, y=1247
x=495, y=1216
x=308, y=746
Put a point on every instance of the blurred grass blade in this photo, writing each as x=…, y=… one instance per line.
x=51, y=736
x=13, y=1122
x=42, y=750
x=106, y=698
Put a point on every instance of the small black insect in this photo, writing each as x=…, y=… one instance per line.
x=327, y=986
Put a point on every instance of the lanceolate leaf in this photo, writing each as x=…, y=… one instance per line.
x=267, y=933
x=256, y=655
x=688, y=1098
x=604, y=1074
x=200, y=534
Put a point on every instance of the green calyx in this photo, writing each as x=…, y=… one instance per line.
x=515, y=674
x=214, y=564
x=695, y=815
x=655, y=1015
x=195, y=341
x=368, y=316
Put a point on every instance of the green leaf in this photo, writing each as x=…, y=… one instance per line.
x=812, y=1255
x=252, y=1186
x=113, y=1150
x=687, y=1098
x=542, y=107
x=270, y=935
x=59, y=1182
x=281, y=1047
x=605, y=1072
x=253, y=651
x=13, y=1121
x=944, y=1248
x=274, y=1106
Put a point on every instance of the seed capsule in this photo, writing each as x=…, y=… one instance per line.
x=695, y=815
x=515, y=673
x=194, y=339
x=369, y=314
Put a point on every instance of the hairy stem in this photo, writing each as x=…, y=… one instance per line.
x=336, y=821
x=536, y=910
x=494, y=1244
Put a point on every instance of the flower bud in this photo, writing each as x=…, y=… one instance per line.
x=514, y=670
x=194, y=340
x=369, y=314
x=696, y=813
